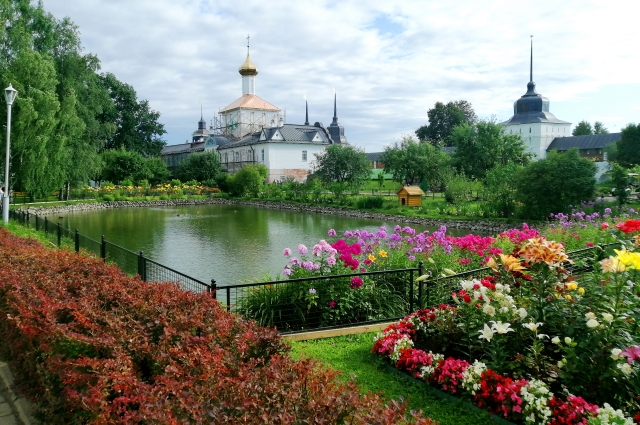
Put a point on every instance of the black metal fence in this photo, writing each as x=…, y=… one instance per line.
x=130, y=262
x=324, y=302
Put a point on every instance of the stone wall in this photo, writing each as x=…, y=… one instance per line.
x=484, y=226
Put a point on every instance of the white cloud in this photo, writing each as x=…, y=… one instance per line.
x=390, y=61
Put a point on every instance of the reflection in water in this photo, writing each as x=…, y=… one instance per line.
x=228, y=243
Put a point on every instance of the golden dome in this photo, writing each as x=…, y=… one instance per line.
x=248, y=68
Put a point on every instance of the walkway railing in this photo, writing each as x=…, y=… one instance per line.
x=130, y=262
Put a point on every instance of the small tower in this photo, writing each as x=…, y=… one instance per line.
x=201, y=132
x=533, y=121
x=336, y=130
x=306, y=108
x=248, y=71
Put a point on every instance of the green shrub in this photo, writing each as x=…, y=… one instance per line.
x=370, y=203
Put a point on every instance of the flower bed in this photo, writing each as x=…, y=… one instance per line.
x=93, y=346
x=529, y=340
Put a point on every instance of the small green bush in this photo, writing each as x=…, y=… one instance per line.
x=370, y=202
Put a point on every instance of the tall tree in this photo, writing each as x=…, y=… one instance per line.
x=343, y=164
x=137, y=126
x=582, y=129
x=550, y=185
x=412, y=162
x=443, y=118
x=628, y=147
x=599, y=128
x=484, y=146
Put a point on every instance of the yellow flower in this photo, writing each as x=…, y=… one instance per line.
x=581, y=291
x=567, y=297
x=572, y=286
x=612, y=265
x=383, y=254
x=492, y=263
x=371, y=258
x=511, y=263
x=629, y=259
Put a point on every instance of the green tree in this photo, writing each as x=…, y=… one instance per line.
x=599, y=128
x=200, y=167
x=120, y=165
x=582, y=129
x=137, y=126
x=442, y=120
x=550, y=185
x=620, y=178
x=157, y=171
x=248, y=180
x=484, y=146
x=342, y=164
x=411, y=162
x=500, y=190
x=628, y=147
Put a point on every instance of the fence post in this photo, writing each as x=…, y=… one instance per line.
x=411, y=281
x=59, y=235
x=28, y=218
x=421, y=305
x=213, y=288
x=46, y=225
x=228, y=299
x=142, y=266
x=37, y=226
x=103, y=248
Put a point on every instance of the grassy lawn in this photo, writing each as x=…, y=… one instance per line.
x=352, y=356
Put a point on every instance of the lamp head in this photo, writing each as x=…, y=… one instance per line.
x=10, y=94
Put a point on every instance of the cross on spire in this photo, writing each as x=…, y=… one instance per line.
x=531, y=62
x=248, y=36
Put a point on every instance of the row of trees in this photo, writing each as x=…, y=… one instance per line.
x=66, y=112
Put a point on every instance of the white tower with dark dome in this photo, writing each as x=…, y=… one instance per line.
x=533, y=121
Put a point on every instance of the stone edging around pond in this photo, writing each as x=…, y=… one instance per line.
x=485, y=226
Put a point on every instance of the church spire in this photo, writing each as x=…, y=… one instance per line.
x=335, y=108
x=531, y=63
x=306, y=107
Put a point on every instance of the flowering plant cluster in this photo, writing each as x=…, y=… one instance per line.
x=94, y=346
x=538, y=334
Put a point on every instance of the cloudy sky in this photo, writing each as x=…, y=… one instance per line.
x=389, y=61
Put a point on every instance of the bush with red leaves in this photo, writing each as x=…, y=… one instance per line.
x=94, y=346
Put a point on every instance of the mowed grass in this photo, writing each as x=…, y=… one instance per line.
x=352, y=356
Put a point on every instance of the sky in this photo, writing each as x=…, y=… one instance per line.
x=389, y=61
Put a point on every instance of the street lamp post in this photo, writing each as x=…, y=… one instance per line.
x=10, y=95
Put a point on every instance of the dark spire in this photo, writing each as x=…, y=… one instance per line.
x=335, y=108
x=531, y=63
x=306, y=107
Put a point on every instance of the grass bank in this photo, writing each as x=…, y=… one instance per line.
x=352, y=356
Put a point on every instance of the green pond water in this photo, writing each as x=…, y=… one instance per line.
x=229, y=243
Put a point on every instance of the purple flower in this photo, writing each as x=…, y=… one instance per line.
x=331, y=261
x=287, y=252
x=312, y=291
x=331, y=232
x=287, y=271
x=302, y=249
x=607, y=210
x=412, y=258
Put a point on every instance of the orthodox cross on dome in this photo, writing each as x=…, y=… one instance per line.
x=248, y=36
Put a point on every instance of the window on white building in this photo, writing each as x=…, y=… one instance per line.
x=262, y=155
x=304, y=155
x=237, y=156
x=250, y=155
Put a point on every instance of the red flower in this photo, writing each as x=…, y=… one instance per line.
x=356, y=283
x=332, y=304
x=629, y=226
x=604, y=226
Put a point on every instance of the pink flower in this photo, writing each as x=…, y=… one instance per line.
x=287, y=272
x=356, y=283
x=464, y=261
x=590, y=244
x=632, y=353
x=331, y=232
x=604, y=226
x=286, y=252
x=332, y=304
x=302, y=249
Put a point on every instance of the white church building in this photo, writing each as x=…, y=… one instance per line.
x=251, y=130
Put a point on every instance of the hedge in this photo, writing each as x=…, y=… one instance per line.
x=91, y=345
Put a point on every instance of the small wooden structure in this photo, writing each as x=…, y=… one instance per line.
x=410, y=196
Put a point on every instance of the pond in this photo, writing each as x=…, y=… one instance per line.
x=229, y=243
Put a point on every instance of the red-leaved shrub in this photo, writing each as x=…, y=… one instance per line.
x=93, y=346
